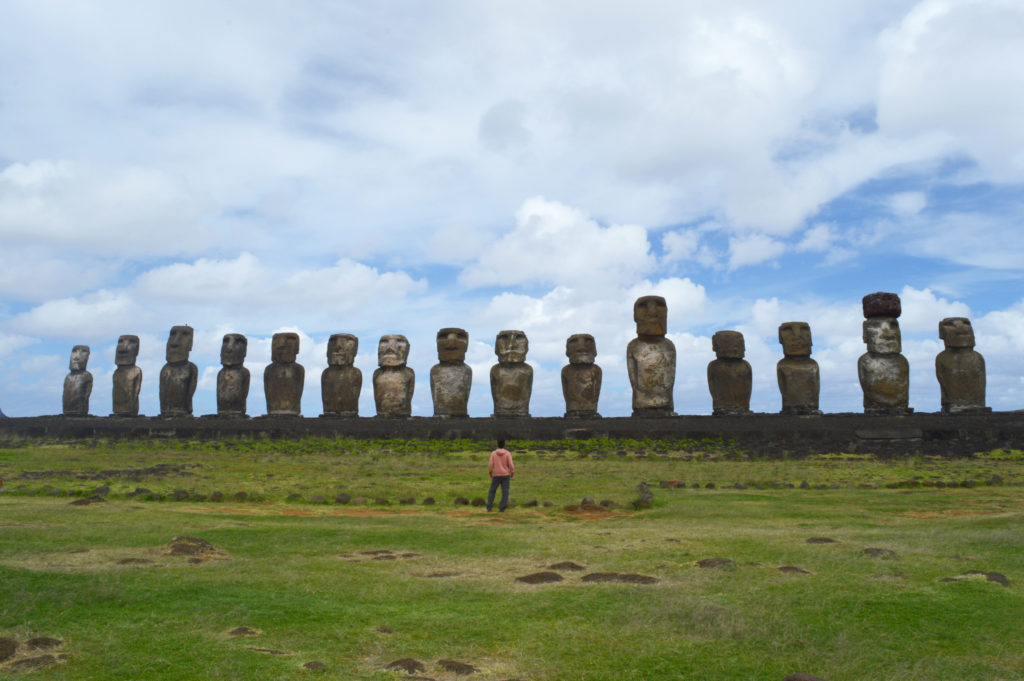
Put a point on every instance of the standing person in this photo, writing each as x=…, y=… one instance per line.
x=501, y=469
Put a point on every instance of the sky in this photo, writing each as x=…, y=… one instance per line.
x=402, y=166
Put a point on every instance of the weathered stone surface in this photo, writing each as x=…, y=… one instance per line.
x=884, y=373
x=127, y=377
x=179, y=376
x=393, y=381
x=730, y=379
x=798, y=375
x=959, y=368
x=78, y=383
x=284, y=378
x=341, y=382
x=451, y=379
x=581, y=378
x=881, y=304
x=651, y=359
x=233, y=378
x=511, y=377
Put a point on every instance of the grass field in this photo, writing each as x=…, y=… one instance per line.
x=912, y=585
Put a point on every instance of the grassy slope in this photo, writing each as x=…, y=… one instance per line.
x=296, y=572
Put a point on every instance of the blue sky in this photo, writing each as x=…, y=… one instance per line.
x=399, y=167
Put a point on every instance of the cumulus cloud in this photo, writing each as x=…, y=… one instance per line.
x=753, y=249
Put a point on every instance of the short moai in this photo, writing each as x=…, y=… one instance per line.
x=284, y=378
x=651, y=359
x=960, y=369
x=581, y=378
x=233, y=378
x=884, y=373
x=393, y=381
x=178, y=378
x=341, y=382
x=78, y=383
x=511, y=377
x=729, y=376
x=127, y=377
x=799, y=379
x=451, y=378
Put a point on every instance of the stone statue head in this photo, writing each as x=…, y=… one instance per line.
x=511, y=346
x=179, y=343
x=452, y=344
x=342, y=349
x=79, y=358
x=393, y=350
x=795, y=338
x=882, y=335
x=127, y=351
x=580, y=348
x=233, y=349
x=728, y=345
x=284, y=347
x=651, y=316
x=957, y=332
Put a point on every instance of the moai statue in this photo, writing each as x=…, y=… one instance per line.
x=581, y=378
x=393, y=381
x=451, y=378
x=511, y=377
x=78, y=383
x=127, y=377
x=233, y=378
x=729, y=375
x=884, y=373
x=179, y=376
x=341, y=382
x=799, y=380
x=651, y=359
x=960, y=370
x=284, y=378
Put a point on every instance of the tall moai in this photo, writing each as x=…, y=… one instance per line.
x=884, y=373
x=581, y=377
x=341, y=382
x=451, y=378
x=78, y=383
x=393, y=381
x=730, y=378
x=178, y=377
x=511, y=377
x=799, y=379
x=651, y=359
x=284, y=378
x=960, y=369
x=233, y=378
x=127, y=377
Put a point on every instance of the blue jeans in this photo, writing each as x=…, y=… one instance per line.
x=504, y=481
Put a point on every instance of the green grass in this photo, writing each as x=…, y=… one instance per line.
x=297, y=572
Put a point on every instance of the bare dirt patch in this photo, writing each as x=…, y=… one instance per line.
x=540, y=578
x=566, y=565
x=408, y=665
x=618, y=577
x=459, y=668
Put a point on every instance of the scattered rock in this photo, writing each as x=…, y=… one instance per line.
x=566, y=565
x=314, y=665
x=460, y=668
x=217, y=497
x=243, y=631
x=134, y=561
x=240, y=496
x=540, y=578
x=406, y=501
x=716, y=563
x=407, y=664
x=548, y=504
x=793, y=570
x=530, y=503
x=33, y=662
x=8, y=647
x=588, y=501
x=190, y=546
x=645, y=498
x=429, y=501
x=805, y=485
x=342, y=498
x=317, y=499
x=101, y=491
x=479, y=501
x=461, y=501
x=879, y=553
x=608, y=504
x=821, y=540
x=620, y=577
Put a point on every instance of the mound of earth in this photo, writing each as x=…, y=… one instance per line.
x=879, y=553
x=190, y=546
x=314, y=665
x=716, y=563
x=620, y=577
x=407, y=664
x=566, y=565
x=243, y=631
x=793, y=570
x=822, y=540
x=8, y=648
x=460, y=668
x=997, y=577
x=37, y=662
x=540, y=578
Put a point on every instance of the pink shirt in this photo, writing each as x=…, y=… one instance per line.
x=501, y=463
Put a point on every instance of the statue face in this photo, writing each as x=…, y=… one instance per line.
x=580, y=348
x=651, y=316
x=284, y=347
x=127, y=351
x=882, y=335
x=728, y=345
x=452, y=344
x=392, y=351
x=342, y=349
x=233, y=349
x=179, y=343
x=511, y=347
x=79, y=358
x=795, y=338
x=957, y=332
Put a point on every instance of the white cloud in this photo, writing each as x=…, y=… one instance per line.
x=753, y=249
x=680, y=245
x=816, y=238
x=908, y=203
